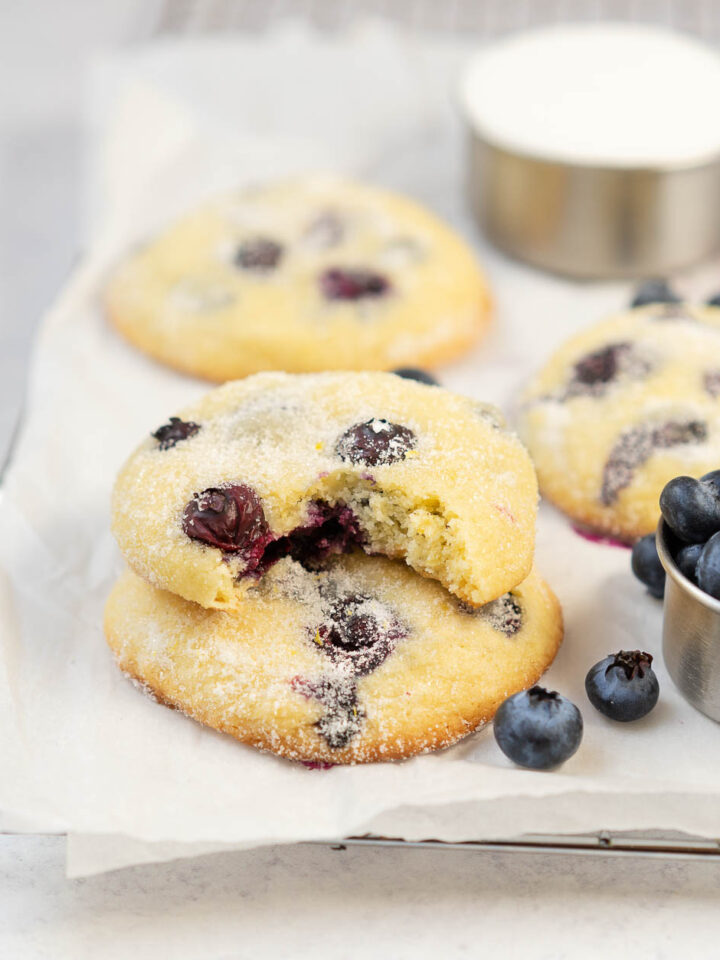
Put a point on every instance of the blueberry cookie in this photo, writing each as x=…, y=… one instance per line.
x=308, y=465
x=621, y=409
x=363, y=660
x=312, y=274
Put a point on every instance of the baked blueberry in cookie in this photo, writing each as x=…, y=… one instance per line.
x=310, y=466
x=374, y=442
x=260, y=254
x=174, y=431
x=635, y=446
x=621, y=409
x=230, y=518
x=337, y=283
x=317, y=273
x=360, y=660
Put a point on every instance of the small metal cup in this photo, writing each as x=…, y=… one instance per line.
x=691, y=635
x=589, y=221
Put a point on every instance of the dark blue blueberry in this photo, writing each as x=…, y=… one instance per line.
x=687, y=559
x=708, y=567
x=538, y=728
x=691, y=508
x=714, y=301
x=259, y=254
x=654, y=291
x=341, y=284
x=623, y=686
x=413, y=373
x=646, y=565
x=713, y=479
x=173, y=432
x=375, y=442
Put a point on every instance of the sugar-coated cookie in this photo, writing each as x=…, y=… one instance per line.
x=312, y=274
x=310, y=464
x=621, y=409
x=363, y=660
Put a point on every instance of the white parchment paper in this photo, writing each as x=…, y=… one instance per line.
x=82, y=750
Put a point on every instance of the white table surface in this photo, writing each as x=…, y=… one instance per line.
x=277, y=902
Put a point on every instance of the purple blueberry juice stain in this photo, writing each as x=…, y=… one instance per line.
x=635, y=446
x=173, y=432
x=328, y=530
x=375, y=442
x=595, y=537
x=337, y=283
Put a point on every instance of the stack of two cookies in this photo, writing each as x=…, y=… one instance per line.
x=334, y=567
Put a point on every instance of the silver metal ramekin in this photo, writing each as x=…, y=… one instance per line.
x=691, y=635
x=590, y=221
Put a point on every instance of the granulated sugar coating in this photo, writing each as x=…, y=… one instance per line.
x=317, y=273
x=621, y=409
x=310, y=465
x=363, y=660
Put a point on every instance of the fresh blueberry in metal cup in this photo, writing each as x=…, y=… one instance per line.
x=654, y=291
x=646, y=565
x=691, y=507
x=623, y=686
x=707, y=570
x=538, y=728
x=687, y=558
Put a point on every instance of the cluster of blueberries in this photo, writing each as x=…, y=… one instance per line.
x=691, y=510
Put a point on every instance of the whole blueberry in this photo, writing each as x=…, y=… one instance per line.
x=538, y=728
x=413, y=373
x=714, y=301
x=708, y=567
x=646, y=565
x=691, y=508
x=713, y=481
x=654, y=291
x=623, y=686
x=687, y=559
